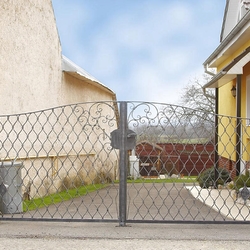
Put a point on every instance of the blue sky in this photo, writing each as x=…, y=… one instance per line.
x=144, y=50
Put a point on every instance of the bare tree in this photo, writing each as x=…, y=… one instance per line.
x=191, y=121
x=201, y=104
x=195, y=97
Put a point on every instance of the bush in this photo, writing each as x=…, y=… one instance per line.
x=207, y=178
x=242, y=180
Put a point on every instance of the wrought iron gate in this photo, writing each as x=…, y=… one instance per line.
x=83, y=162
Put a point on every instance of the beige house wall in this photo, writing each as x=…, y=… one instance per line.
x=74, y=90
x=30, y=56
x=32, y=79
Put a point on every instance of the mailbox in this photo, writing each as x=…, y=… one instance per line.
x=116, y=139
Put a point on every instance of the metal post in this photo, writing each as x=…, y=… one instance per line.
x=238, y=125
x=216, y=154
x=123, y=166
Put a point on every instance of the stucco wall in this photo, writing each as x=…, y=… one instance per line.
x=30, y=56
x=74, y=90
x=53, y=142
x=31, y=74
x=244, y=103
x=227, y=106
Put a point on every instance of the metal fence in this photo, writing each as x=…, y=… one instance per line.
x=124, y=162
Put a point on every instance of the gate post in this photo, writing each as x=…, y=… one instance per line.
x=123, y=165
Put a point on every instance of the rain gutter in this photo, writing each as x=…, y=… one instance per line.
x=226, y=41
x=229, y=72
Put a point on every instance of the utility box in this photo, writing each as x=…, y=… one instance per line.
x=11, y=201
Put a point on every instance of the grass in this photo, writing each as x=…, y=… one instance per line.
x=170, y=180
x=36, y=203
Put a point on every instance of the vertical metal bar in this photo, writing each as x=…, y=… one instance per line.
x=216, y=154
x=123, y=165
x=238, y=125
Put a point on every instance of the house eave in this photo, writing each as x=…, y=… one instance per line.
x=219, y=80
x=238, y=31
x=229, y=72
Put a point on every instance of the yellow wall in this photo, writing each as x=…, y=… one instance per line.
x=227, y=124
x=245, y=128
x=246, y=73
x=231, y=57
x=227, y=103
x=227, y=138
x=227, y=107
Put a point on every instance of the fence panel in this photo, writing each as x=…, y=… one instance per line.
x=68, y=168
x=185, y=165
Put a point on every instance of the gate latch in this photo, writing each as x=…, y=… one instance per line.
x=116, y=139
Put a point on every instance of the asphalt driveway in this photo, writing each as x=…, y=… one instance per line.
x=146, y=202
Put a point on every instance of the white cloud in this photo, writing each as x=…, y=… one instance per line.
x=150, y=25
x=144, y=51
x=71, y=20
x=153, y=84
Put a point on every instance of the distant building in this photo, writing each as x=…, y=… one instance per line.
x=174, y=158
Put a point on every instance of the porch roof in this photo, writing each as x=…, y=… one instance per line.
x=230, y=72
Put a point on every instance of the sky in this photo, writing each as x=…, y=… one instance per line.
x=144, y=50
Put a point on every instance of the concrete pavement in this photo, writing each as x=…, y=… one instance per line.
x=22, y=235
x=223, y=201
x=27, y=235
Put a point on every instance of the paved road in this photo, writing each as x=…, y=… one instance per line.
x=23, y=235
x=146, y=202
x=167, y=202
x=175, y=202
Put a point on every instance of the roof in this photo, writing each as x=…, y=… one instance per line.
x=230, y=44
x=230, y=18
x=76, y=71
x=154, y=146
x=229, y=72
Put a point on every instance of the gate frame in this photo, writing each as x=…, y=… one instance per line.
x=123, y=165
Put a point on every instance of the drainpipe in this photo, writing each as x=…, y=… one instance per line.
x=216, y=154
x=238, y=124
x=207, y=71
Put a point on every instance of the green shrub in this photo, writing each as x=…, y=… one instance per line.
x=242, y=180
x=207, y=178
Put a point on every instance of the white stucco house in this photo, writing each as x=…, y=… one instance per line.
x=34, y=76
